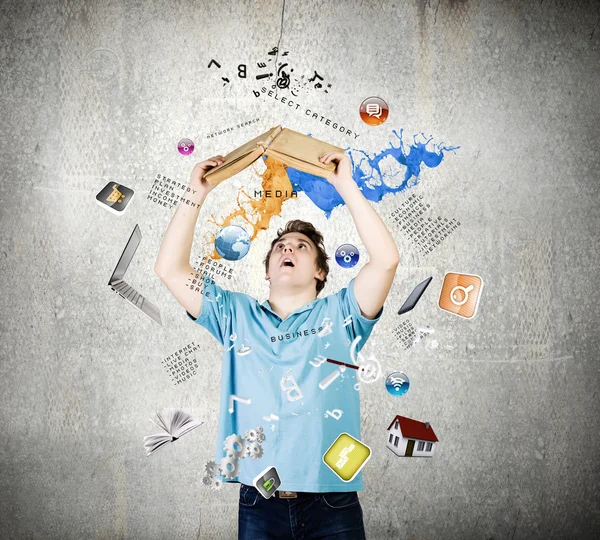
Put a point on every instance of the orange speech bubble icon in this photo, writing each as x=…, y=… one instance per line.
x=374, y=111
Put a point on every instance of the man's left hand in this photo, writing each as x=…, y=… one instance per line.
x=343, y=171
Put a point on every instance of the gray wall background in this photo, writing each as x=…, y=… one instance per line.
x=93, y=92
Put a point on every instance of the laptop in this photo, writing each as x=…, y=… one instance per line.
x=414, y=297
x=120, y=286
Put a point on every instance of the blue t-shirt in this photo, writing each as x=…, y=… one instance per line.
x=267, y=360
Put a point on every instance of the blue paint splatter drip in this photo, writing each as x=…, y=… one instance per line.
x=371, y=183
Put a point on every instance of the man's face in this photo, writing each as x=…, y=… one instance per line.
x=293, y=262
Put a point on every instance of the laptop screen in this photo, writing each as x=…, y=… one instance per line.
x=127, y=255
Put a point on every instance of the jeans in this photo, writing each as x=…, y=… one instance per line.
x=337, y=516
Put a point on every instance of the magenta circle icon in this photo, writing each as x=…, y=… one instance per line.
x=185, y=147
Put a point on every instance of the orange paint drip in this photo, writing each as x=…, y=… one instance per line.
x=256, y=214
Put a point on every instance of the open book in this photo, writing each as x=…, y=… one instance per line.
x=178, y=424
x=285, y=145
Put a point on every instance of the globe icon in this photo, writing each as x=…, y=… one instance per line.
x=232, y=243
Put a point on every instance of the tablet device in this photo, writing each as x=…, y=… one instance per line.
x=414, y=297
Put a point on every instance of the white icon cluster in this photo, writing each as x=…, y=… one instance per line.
x=236, y=448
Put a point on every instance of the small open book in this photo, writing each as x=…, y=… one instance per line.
x=285, y=145
x=176, y=425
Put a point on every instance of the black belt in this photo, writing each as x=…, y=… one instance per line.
x=286, y=494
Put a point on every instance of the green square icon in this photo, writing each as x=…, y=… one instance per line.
x=347, y=456
x=268, y=485
x=267, y=482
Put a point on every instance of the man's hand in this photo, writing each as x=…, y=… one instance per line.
x=374, y=281
x=343, y=171
x=197, y=180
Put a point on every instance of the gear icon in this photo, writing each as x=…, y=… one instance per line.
x=216, y=483
x=254, y=451
x=251, y=435
x=255, y=435
x=235, y=446
x=211, y=468
x=229, y=467
x=208, y=480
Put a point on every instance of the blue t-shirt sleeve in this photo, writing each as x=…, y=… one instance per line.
x=216, y=310
x=360, y=326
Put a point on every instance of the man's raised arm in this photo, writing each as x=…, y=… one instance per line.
x=173, y=262
x=374, y=281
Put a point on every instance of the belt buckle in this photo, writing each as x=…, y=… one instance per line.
x=287, y=494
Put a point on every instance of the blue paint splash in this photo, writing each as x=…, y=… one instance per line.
x=368, y=175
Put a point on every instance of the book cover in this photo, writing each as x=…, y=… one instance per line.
x=285, y=145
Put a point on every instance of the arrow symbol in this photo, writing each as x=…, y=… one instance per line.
x=233, y=398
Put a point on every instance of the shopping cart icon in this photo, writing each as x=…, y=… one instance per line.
x=116, y=195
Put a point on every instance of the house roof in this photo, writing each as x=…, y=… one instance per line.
x=414, y=429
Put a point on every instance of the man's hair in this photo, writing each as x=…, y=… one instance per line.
x=306, y=228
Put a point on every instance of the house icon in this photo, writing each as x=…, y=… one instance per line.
x=411, y=438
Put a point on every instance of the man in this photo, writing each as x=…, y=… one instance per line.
x=274, y=356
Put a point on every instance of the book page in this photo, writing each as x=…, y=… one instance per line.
x=322, y=170
x=189, y=424
x=302, y=148
x=154, y=442
x=162, y=424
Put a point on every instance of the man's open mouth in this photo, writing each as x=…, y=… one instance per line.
x=287, y=262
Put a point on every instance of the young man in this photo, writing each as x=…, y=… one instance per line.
x=284, y=372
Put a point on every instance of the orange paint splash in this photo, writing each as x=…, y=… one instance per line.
x=256, y=214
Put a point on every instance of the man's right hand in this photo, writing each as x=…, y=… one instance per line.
x=197, y=180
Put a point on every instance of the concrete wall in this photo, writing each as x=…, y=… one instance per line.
x=93, y=92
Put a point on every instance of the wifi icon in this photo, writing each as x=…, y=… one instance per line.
x=397, y=383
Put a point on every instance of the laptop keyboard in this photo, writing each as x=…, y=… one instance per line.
x=138, y=300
